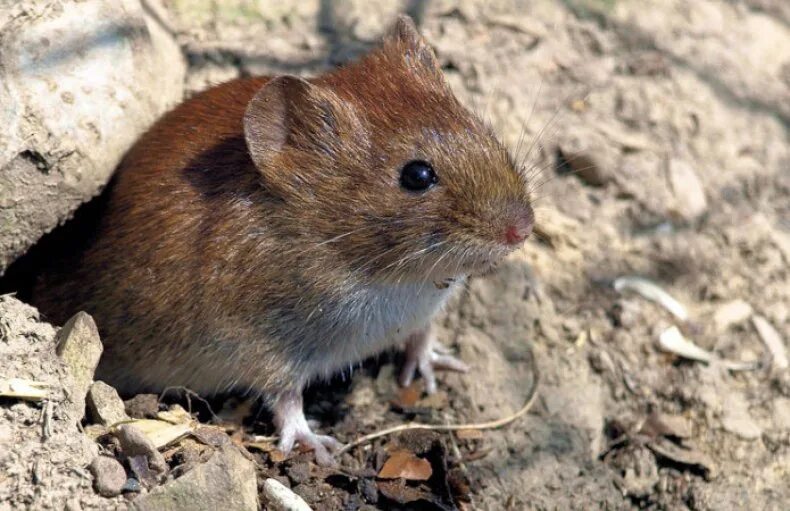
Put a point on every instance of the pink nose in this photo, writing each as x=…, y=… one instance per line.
x=518, y=232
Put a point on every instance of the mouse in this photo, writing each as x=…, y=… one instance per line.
x=271, y=232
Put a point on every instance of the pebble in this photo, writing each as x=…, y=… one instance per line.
x=104, y=404
x=690, y=200
x=109, y=476
x=79, y=346
x=731, y=313
x=280, y=498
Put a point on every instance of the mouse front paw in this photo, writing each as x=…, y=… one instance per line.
x=426, y=354
x=293, y=428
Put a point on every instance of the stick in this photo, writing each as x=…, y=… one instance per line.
x=498, y=423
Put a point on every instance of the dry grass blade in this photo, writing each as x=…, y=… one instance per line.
x=498, y=423
x=19, y=388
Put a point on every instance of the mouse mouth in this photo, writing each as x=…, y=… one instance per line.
x=455, y=260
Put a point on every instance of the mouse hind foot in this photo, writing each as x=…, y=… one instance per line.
x=292, y=427
x=424, y=353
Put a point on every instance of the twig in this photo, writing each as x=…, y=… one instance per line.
x=498, y=423
x=189, y=393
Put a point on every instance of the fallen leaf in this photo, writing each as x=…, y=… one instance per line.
x=402, y=494
x=408, y=396
x=261, y=446
x=436, y=401
x=175, y=415
x=277, y=456
x=404, y=464
x=161, y=433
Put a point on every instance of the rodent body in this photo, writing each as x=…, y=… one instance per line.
x=259, y=236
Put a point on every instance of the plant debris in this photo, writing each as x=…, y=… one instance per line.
x=403, y=464
x=27, y=390
x=653, y=292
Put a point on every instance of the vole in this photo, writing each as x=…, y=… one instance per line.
x=270, y=232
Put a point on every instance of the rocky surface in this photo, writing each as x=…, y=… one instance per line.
x=79, y=82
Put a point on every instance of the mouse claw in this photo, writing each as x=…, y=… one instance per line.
x=293, y=428
x=322, y=446
x=426, y=354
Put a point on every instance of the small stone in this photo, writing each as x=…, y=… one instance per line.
x=135, y=444
x=104, y=405
x=79, y=346
x=131, y=485
x=690, y=200
x=109, y=476
x=142, y=406
x=226, y=481
x=731, y=313
x=280, y=498
x=298, y=472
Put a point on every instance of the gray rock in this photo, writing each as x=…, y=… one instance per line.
x=80, y=83
x=109, y=476
x=689, y=194
x=280, y=498
x=105, y=405
x=144, y=458
x=79, y=346
x=226, y=481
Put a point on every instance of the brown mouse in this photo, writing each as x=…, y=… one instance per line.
x=269, y=232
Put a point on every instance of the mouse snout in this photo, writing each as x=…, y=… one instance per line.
x=519, y=227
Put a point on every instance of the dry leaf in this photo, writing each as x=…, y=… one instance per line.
x=175, y=415
x=408, y=396
x=404, y=464
x=161, y=433
x=261, y=446
x=402, y=494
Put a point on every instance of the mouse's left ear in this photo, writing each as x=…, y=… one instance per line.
x=291, y=122
x=405, y=39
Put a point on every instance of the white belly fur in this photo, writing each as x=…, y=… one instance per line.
x=381, y=317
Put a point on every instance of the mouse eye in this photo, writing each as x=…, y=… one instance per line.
x=418, y=176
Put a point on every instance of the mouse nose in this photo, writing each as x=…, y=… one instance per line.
x=519, y=229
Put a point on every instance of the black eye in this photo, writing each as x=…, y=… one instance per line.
x=418, y=176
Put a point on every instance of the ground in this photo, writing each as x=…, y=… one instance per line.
x=657, y=135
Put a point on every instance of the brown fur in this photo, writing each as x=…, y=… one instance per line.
x=243, y=229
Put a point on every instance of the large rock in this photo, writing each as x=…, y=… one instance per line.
x=79, y=82
x=226, y=481
x=80, y=348
x=43, y=453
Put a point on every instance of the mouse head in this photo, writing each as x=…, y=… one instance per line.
x=384, y=170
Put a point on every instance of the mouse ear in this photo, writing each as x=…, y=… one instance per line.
x=411, y=44
x=291, y=115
